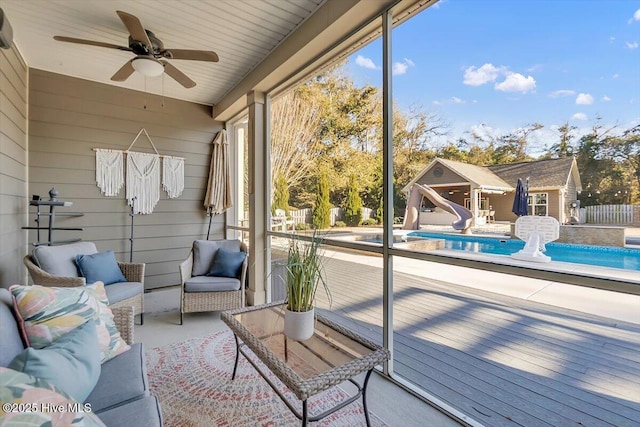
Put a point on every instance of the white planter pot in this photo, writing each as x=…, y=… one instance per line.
x=299, y=325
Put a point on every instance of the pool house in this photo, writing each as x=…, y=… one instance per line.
x=488, y=191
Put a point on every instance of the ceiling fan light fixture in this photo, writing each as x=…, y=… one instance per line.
x=148, y=67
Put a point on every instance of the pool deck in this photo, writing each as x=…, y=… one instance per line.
x=503, y=350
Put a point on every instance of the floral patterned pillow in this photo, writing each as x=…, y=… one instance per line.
x=29, y=401
x=46, y=313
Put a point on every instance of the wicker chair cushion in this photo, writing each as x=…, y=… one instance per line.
x=101, y=266
x=141, y=412
x=205, y=250
x=59, y=310
x=61, y=260
x=71, y=363
x=10, y=342
x=23, y=389
x=123, y=379
x=227, y=263
x=211, y=284
x=120, y=291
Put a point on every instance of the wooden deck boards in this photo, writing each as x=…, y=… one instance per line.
x=501, y=360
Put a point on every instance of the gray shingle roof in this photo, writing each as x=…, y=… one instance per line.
x=477, y=174
x=541, y=173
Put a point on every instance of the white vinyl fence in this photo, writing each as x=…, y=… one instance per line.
x=303, y=216
x=609, y=214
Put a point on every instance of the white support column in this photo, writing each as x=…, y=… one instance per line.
x=387, y=184
x=257, y=133
x=475, y=203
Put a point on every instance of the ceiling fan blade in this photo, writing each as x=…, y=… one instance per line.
x=177, y=75
x=124, y=72
x=193, y=55
x=135, y=28
x=90, y=43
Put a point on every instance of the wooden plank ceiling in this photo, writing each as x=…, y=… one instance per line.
x=243, y=33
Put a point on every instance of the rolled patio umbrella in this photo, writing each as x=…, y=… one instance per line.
x=218, y=196
x=520, y=201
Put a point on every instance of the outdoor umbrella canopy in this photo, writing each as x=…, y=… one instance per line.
x=520, y=202
x=218, y=196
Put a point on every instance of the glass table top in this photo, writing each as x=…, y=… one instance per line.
x=325, y=350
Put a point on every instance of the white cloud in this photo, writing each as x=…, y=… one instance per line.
x=513, y=82
x=436, y=102
x=615, y=76
x=612, y=39
x=562, y=93
x=400, y=68
x=438, y=4
x=516, y=82
x=584, y=99
x=606, y=98
x=474, y=76
x=366, y=62
x=579, y=116
x=636, y=16
x=457, y=100
x=632, y=45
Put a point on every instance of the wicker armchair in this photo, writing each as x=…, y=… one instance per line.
x=133, y=272
x=214, y=300
x=123, y=318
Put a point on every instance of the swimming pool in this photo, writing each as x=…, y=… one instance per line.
x=604, y=256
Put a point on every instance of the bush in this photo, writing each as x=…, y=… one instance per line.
x=369, y=221
x=353, y=204
x=340, y=224
x=320, y=217
x=302, y=226
x=280, y=195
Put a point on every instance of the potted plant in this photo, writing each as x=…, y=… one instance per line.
x=305, y=272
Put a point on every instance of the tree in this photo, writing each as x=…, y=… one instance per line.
x=625, y=150
x=322, y=211
x=510, y=147
x=353, y=204
x=294, y=126
x=564, y=148
x=281, y=194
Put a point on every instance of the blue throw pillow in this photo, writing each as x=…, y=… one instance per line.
x=227, y=263
x=100, y=267
x=71, y=363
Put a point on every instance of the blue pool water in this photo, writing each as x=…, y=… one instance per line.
x=628, y=259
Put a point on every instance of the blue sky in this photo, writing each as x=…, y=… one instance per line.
x=497, y=65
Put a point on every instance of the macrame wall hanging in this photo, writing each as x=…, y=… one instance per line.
x=143, y=175
x=109, y=171
x=173, y=176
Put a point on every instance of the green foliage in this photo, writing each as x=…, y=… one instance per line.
x=301, y=226
x=379, y=213
x=280, y=195
x=347, y=140
x=340, y=224
x=304, y=273
x=353, y=204
x=369, y=221
x=322, y=211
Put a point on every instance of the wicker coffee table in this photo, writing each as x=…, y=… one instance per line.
x=333, y=355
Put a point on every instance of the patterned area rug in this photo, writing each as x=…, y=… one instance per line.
x=192, y=380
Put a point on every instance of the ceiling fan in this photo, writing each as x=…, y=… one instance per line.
x=150, y=53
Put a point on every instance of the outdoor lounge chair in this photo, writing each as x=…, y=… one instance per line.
x=56, y=266
x=212, y=280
